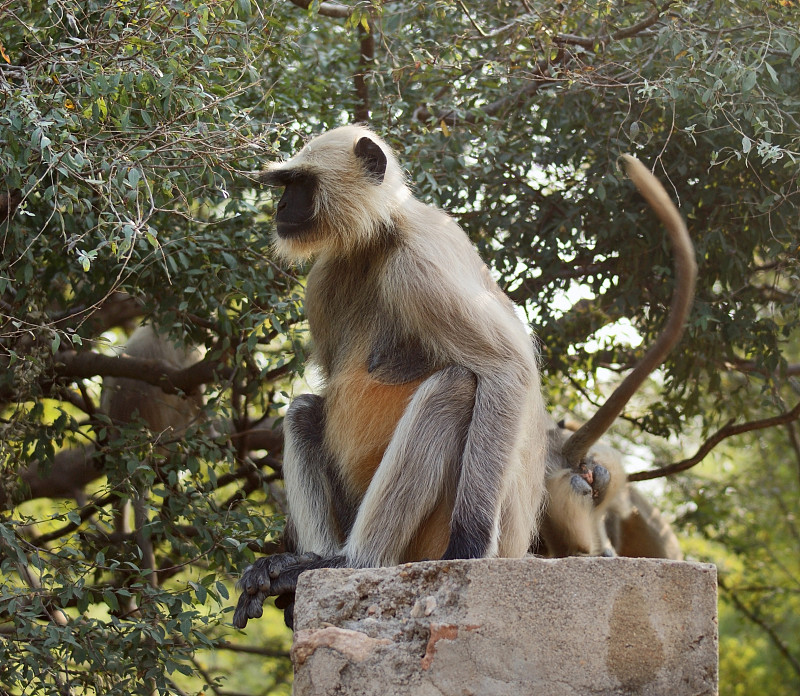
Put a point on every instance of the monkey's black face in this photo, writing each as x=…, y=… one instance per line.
x=295, y=213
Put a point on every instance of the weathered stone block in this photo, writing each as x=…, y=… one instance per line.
x=508, y=627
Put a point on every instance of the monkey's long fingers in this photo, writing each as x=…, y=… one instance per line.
x=601, y=479
x=255, y=588
x=256, y=577
x=271, y=575
x=250, y=606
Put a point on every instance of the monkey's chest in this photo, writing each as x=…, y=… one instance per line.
x=361, y=416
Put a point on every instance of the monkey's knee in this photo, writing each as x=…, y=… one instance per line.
x=304, y=427
x=461, y=380
x=306, y=412
x=448, y=395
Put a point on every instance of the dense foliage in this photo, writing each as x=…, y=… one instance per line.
x=128, y=130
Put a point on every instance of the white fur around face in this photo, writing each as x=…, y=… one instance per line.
x=351, y=209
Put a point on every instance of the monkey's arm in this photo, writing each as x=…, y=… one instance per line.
x=321, y=512
x=419, y=470
x=419, y=465
x=465, y=320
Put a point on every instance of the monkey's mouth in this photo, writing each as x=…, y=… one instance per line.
x=293, y=230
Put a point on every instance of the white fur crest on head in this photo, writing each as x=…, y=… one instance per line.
x=350, y=209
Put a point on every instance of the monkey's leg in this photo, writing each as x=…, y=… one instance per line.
x=419, y=465
x=504, y=404
x=320, y=512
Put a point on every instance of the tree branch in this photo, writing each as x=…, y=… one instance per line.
x=540, y=75
x=72, y=469
x=9, y=200
x=84, y=514
x=117, y=309
x=792, y=370
x=728, y=430
x=327, y=9
x=74, y=365
x=626, y=33
x=251, y=650
x=365, y=58
x=69, y=472
x=758, y=621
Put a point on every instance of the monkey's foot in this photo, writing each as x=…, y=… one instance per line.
x=591, y=479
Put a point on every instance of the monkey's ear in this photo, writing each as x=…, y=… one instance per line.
x=372, y=158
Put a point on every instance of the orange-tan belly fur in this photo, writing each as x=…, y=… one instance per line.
x=362, y=415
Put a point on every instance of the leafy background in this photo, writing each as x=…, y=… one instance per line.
x=128, y=132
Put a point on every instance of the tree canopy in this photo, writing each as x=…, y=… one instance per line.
x=129, y=133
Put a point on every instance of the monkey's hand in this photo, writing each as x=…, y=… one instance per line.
x=267, y=577
x=276, y=576
x=591, y=479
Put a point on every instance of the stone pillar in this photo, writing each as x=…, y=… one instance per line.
x=508, y=627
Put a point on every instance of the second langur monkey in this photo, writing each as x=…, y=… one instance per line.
x=620, y=521
x=167, y=416
x=431, y=438
x=585, y=479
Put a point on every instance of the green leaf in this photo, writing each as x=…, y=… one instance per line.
x=111, y=600
x=772, y=73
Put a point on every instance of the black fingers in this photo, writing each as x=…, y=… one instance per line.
x=276, y=576
x=286, y=602
x=254, y=587
x=267, y=577
x=591, y=480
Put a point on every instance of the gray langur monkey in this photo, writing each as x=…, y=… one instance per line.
x=122, y=399
x=620, y=522
x=167, y=416
x=636, y=528
x=431, y=438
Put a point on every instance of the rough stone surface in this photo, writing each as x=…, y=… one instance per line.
x=508, y=627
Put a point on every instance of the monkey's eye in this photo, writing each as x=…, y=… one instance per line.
x=284, y=177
